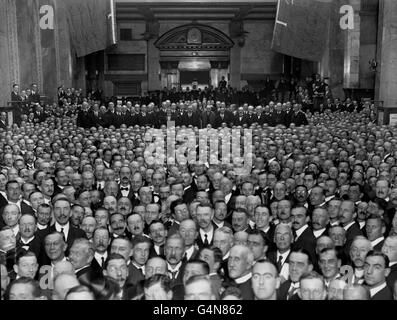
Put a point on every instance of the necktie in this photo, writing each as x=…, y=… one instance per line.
x=103, y=262
x=280, y=263
x=206, y=243
x=173, y=274
x=64, y=237
x=292, y=290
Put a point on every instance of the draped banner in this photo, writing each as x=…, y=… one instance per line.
x=301, y=28
x=90, y=22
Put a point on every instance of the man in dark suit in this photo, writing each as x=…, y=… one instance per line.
x=174, y=250
x=84, y=116
x=375, y=229
x=347, y=216
x=191, y=118
x=158, y=233
x=3, y=120
x=118, y=117
x=240, y=267
x=16, y=100
x=27, y=239
x=204, y=216
x=81, y=255
x=109, y=118
x=299, y=265
x=62, y=212
x=208, y=117
x=101, y=242
x=376, y=269
x=240, y=119
x=39, y=115
x=116, y=268
x=223, y=117
x=140, y=254
x=390, y=249
x=304, y=235
x=298, y=117
x=34, y=96
x=279, y=116
x=188, y=231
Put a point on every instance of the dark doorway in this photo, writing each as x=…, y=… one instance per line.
x=188, y=78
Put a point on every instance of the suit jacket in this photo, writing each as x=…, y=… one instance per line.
x=189, y=195
x=87, y=275
x=96, y=267
x=73, y=234
x=26, y=209
x=298, y=118
x=153, y=252
x=227, y=118
x=3, y=125
x=34, y=245
x=200, y=241
x=193, y=120
x=208, y=118
x=245, y=288
x=378, y=247
x=384, y=294
x=307, y=240
x=282, y=291
x=134, y=275
x=83, y=119
x=279, y=118
x=351, y=233
x=392, y=277
x=240, y=121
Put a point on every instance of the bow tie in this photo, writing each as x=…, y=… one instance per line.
x=124, y=188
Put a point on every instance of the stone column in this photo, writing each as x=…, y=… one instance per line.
x=386, y=80
x=352, y=50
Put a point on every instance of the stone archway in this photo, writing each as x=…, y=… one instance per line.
x=193, y=49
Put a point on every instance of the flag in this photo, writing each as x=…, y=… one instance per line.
x=90, y=22
x=301, y=28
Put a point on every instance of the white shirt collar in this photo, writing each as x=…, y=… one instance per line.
x=300, y=230
x=375, y=290
x=65, y=229
x=15, y=230
x=318, y=233
x=283, y=255
x=349, y=225
x=189, y=252
x=226, y=256
x=265, y=230
x=209, y=234
x=27, y=241
x=219, y=225
x=40, y=226
x=392, y=263
x=176, y=268
x=243, y=278
x=139, y=267
x=362, y=224
x=99, y=256
x=376, y=241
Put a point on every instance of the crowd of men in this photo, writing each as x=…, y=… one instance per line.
x=84, y=216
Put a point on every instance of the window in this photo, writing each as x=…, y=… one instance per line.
x=126, y=62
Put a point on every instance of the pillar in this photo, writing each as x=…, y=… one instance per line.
x=386, y=80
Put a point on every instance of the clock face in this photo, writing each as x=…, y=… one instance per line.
x=194, y=36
